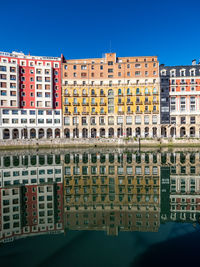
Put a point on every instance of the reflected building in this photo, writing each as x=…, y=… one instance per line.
x=180, y=187
x=31, y=196
x=107, y=190
x=112, y=192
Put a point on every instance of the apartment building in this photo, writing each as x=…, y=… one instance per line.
x=111, y=97
x=30, y=96
x=180, y=91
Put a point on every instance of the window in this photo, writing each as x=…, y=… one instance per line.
x=192, y=103
x=173, y=104
x=138, y=120
x=67, y=121
x=146, y=119
x=183, y=120
x=173, y=120
x=128, y=120
x=110, y=120
x=183, y=103
x=192, y=120
x=154, y=119
x=110, y=63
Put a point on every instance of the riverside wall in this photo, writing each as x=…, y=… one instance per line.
x=99, y=142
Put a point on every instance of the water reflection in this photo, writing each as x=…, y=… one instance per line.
x=112, y=191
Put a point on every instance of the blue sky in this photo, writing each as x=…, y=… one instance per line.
x=80, y=29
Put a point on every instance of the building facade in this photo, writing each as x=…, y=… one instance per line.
x=182, y=83
x=30, y=96
x=111, y=97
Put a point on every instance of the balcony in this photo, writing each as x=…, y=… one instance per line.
x=139, y=103
x=85, y=113
x=155, y=111
x=129, y=112
x=120, y=112
x=67, y=104
x=155, y=93
x=66, y=94
x=85, y=104
x=84, y=95
x=76, y=113
x=76, y=94
x=102, y=104
x=76, y=104
x=147, y=102
x=94, y=113
x=147, y=112
x=103, y=113
x=129, y=103
x=102, y=95
x=156, y=102
x=120, y=104
x=138, y=112
x=93, y=104
x=67, y=113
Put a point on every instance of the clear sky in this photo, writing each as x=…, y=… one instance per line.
x=169, y=29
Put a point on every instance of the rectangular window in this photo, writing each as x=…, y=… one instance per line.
x=128, y=120
x=173, y=104
x=67, y=121
x=146, y=119
x=119, y=120
x=138, y=120
x=183, y=104
x=192, y=103
x=192, y=120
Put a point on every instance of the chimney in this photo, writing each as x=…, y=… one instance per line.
x=194, y=62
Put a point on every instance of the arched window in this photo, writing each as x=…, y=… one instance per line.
x=154, y=90
x=110, y=92
x=128, y=91
x=75, y=92
x=146, y=90
x=101, y=92
x=84, y=92
x=92, y=92
x=66, y=91
x=137, y=91
x=75, y=109
x=119, y=91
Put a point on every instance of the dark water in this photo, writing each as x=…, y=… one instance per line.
x=105, y=207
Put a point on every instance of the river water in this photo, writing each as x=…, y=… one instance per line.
x=99, y=207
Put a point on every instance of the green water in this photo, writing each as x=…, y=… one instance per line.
x=99, y=207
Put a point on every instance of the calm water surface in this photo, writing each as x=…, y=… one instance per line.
x=100, y=207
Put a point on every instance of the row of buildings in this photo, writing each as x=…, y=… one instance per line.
x=49, y=97
x=105, y=191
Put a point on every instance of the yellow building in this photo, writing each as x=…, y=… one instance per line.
x=111, y=97
x=111, y=191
